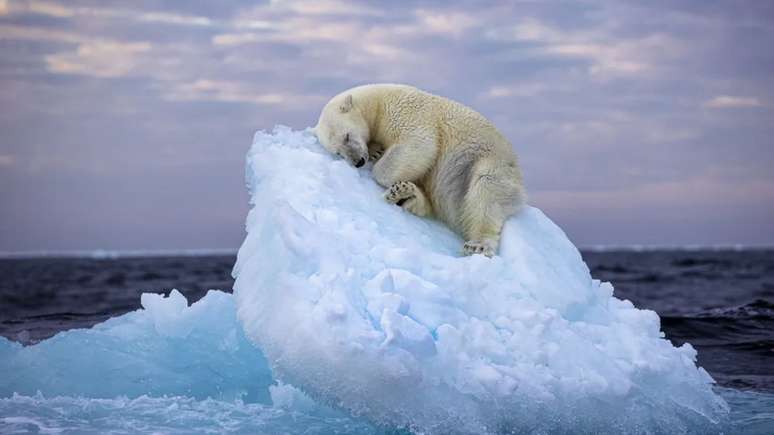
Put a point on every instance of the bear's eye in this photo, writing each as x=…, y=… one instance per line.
x=346, y=138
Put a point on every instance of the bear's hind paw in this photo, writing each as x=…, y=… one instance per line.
x=478, y=247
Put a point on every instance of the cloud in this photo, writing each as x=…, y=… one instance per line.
x=61, y=11
x=732, y=102
x=453, y=24
x=177, y=19
x=322, y=7
x=323, y=31
x=528, y=29
x=252, y=24
x=231, y=39
x=99, y=59
x=608, y=54
x=235, y=92
x=15, y=32
x=45, y=8
x=520, y=90
x=7, y=160
x=618, y=58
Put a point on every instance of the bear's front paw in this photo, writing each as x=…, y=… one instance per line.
x=400, y=192
x=375, y=154
x=478, y=247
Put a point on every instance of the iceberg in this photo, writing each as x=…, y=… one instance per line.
x=352, y=317
x=120, y=377
x=372, y=310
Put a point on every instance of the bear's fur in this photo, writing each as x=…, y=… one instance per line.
x=436, y=157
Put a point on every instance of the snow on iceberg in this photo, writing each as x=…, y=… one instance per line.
x=371, y=309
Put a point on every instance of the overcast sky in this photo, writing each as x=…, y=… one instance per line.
x=123, y=125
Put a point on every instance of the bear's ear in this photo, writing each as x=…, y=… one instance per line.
x=346, y=106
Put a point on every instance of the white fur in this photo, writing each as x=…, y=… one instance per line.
x=436, y=157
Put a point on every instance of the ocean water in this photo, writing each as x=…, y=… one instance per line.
x=721, y=301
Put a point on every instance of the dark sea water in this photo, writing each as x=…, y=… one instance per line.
x=721, y=301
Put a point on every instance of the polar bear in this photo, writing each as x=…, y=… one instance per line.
x=435, y=156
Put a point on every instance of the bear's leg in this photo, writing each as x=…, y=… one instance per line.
x=409, y=196
x=493, y=195
x=404, y=162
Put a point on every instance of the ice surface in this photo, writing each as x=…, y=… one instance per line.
x=167, y=348
x=372, y=309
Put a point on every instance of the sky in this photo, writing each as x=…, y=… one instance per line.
x=124, y=125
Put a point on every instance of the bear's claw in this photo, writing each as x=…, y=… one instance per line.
x=375, y=154
x=477, y=247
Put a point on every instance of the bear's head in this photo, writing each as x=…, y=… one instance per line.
x=343, y=131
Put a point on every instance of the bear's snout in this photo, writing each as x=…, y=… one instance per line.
x=356, y=153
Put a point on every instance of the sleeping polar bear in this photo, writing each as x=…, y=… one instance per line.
x=436, y=157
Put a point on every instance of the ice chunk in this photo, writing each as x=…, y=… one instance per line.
x=168, y=368
x=168, y=348
x=372, y=309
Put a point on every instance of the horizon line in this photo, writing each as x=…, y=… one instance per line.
x=108, y=254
